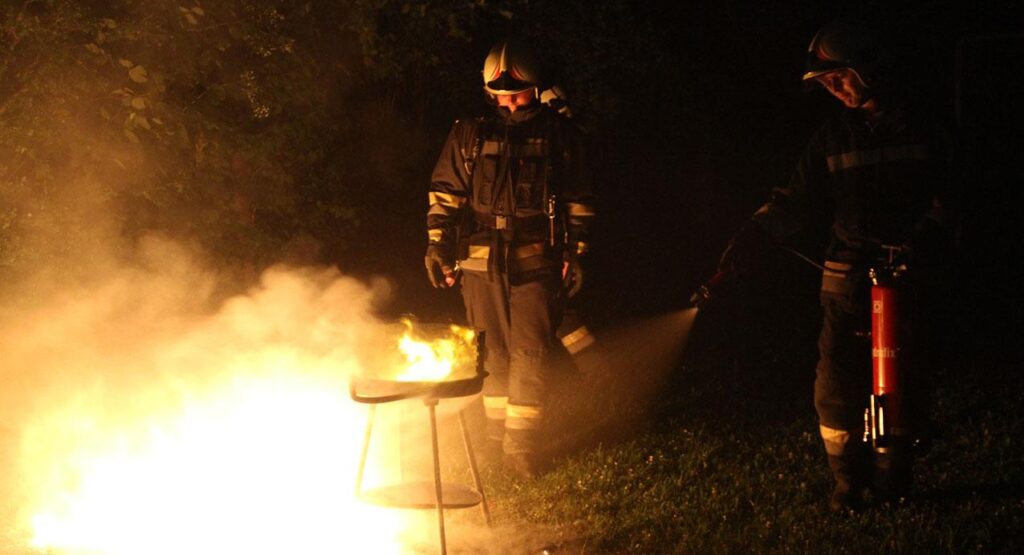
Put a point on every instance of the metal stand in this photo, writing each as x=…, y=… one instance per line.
x=420, y=495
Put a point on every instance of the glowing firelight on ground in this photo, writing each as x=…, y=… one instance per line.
x=265, y=466
x=260, y=461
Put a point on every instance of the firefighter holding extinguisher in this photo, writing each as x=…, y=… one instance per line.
x=880, y=173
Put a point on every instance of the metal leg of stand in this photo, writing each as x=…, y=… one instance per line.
x=473, y=468
x=431, y=405
x=366, y=448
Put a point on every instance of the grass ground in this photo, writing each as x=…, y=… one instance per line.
x=712, y=456
x=730, y=462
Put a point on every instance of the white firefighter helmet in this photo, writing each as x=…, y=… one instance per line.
x=844, y=44
x=511, y=68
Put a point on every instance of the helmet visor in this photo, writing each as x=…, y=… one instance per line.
x=818, y=65
x=507, y=84
x=812, y=80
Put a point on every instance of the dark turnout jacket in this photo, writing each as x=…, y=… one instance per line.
x=511, y=191
x=882, y=182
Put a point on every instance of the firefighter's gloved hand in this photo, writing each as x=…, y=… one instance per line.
x=572, y=277
x=706, y=293
x=440, y=265
x=745, y=249
x=572, y=268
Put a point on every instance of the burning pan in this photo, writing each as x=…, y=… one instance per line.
x=463, y=381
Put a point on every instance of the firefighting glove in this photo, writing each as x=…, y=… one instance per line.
x=440, y=264
x=745, y=250
x=572, y=279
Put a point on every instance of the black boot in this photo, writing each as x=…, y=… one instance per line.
x=523, y=452
x=894, y=472
x=849, y=472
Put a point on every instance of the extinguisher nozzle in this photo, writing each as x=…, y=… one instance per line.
x=707, y=292
x=701, y=297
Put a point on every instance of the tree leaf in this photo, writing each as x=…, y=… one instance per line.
x=138, y=74
x=198, y=11
x=131, y=136
x=139, y=103
x=191, y=19
x=143, y=122
x=93, y=47
x=125, y=63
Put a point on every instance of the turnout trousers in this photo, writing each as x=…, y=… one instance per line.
x=843, y=374
x=519, y=321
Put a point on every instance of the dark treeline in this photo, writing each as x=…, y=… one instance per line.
x=285, y=130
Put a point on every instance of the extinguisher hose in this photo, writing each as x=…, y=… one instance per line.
x=803, y=257
x=702, y=297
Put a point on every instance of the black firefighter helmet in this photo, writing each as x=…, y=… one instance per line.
x=846, y=43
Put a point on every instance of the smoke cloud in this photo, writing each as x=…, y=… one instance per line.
x=104, y=368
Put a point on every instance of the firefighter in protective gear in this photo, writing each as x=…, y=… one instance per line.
x=880, y=173
x=510, y=203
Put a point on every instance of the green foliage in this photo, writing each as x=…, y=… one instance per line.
x=211, y=122
x=262, y=129
x=432, y=51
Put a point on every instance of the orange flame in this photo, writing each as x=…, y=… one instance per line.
x=435, y=360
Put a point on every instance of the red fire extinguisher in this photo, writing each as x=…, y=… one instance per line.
x=886, y=422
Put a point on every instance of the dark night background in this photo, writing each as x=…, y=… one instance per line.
x=699, y=134
x=293, y=131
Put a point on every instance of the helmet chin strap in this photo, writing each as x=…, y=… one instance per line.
x=865, y=98
x=868, y=93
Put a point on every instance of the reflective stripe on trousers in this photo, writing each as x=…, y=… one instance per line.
x=519, y=322
x=836, y=441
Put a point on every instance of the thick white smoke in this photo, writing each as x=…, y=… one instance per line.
x=138, y=394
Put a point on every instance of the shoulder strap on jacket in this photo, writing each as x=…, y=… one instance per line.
x=476, y=135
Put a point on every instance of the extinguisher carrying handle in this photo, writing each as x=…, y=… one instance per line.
x=891, y=265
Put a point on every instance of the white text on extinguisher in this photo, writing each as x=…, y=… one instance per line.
x=883, y=352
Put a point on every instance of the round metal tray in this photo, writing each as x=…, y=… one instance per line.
x=421, y=495
x=376, y=390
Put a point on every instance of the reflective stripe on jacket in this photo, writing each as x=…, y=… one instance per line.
x=874, y=182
